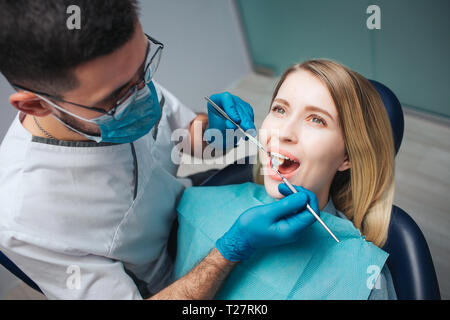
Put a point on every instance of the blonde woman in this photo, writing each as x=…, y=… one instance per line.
x=332, y=125
x=347, y=147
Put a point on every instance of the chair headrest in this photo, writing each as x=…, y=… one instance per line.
x=394, y=110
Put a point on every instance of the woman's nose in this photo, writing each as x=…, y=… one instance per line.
x=288, y=132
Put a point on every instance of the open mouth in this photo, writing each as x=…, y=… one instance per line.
x=285, y=164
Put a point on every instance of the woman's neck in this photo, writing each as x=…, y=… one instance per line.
x=323, y=200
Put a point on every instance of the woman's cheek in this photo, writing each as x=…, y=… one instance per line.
x=269, y=128
x=322, y=156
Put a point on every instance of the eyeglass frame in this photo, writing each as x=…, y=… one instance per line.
x=132, y=90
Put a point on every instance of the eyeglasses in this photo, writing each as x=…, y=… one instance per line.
x=120, y=107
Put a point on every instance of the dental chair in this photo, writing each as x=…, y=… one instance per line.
x=409, y=261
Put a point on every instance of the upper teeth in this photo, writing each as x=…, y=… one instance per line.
x=280, y=156
x=279, y=159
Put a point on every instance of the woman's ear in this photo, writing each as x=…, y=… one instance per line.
x=345, y=164
x=28, y=103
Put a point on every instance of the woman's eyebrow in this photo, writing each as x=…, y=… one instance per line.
x=307, y=108
x=317, y=109
x=285, y=102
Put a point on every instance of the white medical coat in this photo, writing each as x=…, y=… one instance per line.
x=75, y=215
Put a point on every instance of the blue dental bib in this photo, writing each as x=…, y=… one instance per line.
x=314, y=267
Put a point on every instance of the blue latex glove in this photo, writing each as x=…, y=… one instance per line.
x=238, y=110
x=277, y=223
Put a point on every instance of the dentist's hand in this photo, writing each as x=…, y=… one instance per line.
x=274, y=224
x=238, y=110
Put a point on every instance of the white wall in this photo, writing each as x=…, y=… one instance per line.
x=204, y=53
x=204, y=49
x=7, y=112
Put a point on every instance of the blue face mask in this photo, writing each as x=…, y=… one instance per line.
x=137, y=120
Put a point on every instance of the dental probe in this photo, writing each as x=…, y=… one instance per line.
x=273, y=162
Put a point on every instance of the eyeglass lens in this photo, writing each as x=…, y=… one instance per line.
x=152, y=64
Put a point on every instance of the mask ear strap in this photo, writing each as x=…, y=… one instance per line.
x=64, y=110
x=94, y=138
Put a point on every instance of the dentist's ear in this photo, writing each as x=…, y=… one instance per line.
x=345, y=164
x=28, y=103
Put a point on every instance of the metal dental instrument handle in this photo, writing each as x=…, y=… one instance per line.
x=291, y=187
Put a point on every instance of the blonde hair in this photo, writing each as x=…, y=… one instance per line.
x=365, y=192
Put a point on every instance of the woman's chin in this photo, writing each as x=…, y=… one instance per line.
x=271, y=186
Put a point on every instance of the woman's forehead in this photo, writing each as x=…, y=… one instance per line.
x=301, y=89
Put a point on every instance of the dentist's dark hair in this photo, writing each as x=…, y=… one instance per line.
x=37, y=49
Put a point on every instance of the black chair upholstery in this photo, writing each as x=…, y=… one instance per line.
x=410, y=261
x=231, y=174
x=394, y=111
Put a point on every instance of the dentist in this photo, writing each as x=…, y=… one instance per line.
x=87, y=185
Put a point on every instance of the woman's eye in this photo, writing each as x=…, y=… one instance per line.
x=278, y=109
x=318, y=120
